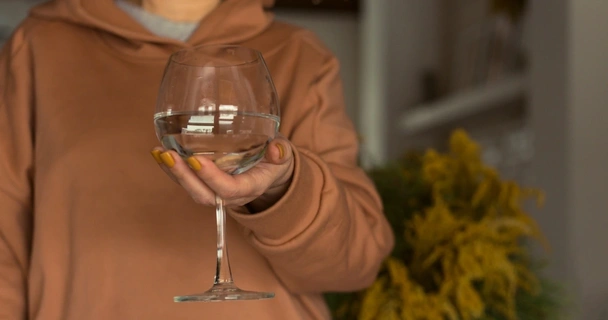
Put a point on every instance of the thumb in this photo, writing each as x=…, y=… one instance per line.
x=279, y=150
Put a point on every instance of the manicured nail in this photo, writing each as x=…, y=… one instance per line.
x=167, y=159
x=281, y=150
x=194, y=164
x=156, y=155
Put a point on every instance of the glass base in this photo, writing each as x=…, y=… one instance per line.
x=224, y=292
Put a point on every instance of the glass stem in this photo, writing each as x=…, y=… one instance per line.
x=223, y=274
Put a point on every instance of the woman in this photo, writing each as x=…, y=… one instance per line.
x=91, y=229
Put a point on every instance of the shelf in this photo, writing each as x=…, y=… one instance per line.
x=464, y=104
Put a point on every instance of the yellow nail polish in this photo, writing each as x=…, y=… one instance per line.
x=194, y=164
x=167, y=159
x=281, y=150
x=156, y=155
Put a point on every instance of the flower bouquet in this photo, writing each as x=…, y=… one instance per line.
x=460, y=251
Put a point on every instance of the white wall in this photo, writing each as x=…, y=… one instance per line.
x=13, y=11
x=589, y=155
x=569, y=77
x=414, y=45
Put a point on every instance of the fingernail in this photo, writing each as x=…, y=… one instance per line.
x=281, y=150
x=194, y=164
x=156, y=155
x=167, y=159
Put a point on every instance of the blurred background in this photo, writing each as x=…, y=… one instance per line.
x=528, y=80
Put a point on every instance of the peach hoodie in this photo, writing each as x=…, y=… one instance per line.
x=92, y=229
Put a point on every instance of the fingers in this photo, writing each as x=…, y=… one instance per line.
x=279, y=151
x=203, y=179
x=156, y=153
x=227, y=187
x=179, y=171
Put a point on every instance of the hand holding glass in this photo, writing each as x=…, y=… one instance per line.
x=218, y=102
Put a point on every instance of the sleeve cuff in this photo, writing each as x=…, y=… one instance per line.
x=293, y=213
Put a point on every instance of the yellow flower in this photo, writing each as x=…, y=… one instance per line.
x=469, y=302
x=375, y=297
x=464, y=250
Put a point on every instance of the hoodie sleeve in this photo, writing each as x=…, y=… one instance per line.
x=16, y=145
x=328, y=232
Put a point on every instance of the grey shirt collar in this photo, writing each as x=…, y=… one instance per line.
x=159, y=25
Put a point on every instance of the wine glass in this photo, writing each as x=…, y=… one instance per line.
x=218, y=102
